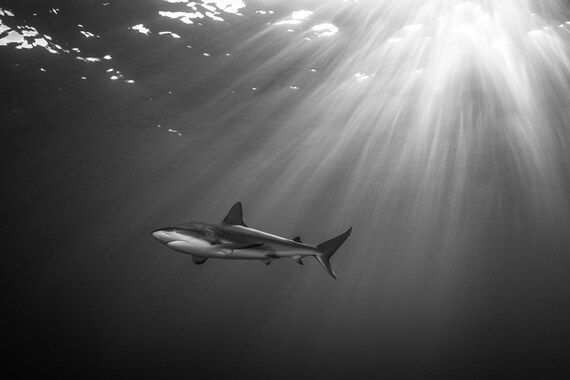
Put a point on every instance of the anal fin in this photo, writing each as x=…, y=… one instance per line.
x=298, y=259
x=267, y=260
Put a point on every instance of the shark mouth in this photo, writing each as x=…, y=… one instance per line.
x=174, y=241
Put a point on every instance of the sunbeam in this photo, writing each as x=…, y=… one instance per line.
x=452, y=105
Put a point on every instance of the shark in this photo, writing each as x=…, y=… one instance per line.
x=232, y=239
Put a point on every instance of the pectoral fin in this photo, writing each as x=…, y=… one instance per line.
x=199, y=260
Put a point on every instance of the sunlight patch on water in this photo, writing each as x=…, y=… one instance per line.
x=28, y=37
x=6, y=12
x=24, y=36
x=87, y=34
x=88, y=59
x=185, y=17
x=173, y=35
x=325, y=30
x=141, y=29
x=296, y=17
x=212, y=9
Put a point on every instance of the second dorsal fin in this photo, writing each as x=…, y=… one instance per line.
x=235, y=216
x=297, y=239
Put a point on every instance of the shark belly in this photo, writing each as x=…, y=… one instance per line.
x=206, y=250
x=294, y=253
x=267, y=250
x=243, y=254
x=288, y=250
x=196, y=247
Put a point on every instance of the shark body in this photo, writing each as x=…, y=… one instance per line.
x=232, y=239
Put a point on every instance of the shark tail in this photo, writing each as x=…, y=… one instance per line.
x=328, y=248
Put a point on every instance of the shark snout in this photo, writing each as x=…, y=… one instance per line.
x=161, y=235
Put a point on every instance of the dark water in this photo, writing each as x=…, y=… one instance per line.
x=438, y=129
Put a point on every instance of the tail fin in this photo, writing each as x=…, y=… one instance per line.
x=328, y=248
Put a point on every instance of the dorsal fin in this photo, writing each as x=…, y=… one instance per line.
x=235, y=216
x=297, y=239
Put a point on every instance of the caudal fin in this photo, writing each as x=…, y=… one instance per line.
x=328, y=248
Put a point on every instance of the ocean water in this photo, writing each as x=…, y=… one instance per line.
x=438, y=129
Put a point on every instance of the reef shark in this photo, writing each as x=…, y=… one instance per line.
x=232, y=239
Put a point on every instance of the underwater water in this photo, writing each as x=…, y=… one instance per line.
x=438, y=129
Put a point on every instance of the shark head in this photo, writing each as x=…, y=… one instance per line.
x=191, y=234
x=170, y=234
x=167, y=235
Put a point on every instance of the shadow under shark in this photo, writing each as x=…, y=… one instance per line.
x=232, y=239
